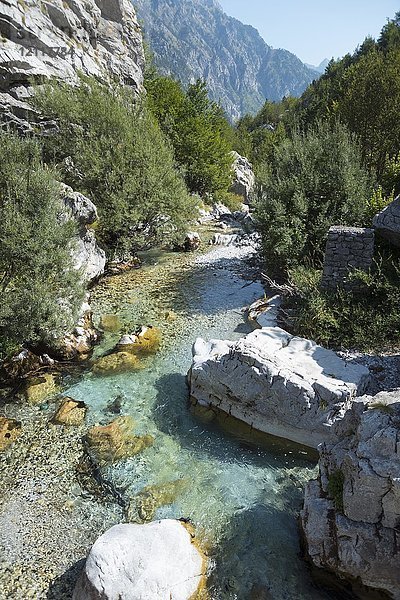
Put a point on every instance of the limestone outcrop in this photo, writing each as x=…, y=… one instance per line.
x=156, y=561
x=351, y=515
x=279, y=384
x=244, y=178
x=41, y=39
x=87, y=255
x=387, y=222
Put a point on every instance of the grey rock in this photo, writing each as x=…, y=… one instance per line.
x=43, y=39
x=279, y=384
x=354, y=533
x=387, y=222
x=87, y=255
x=142, y=562
x=244, y=180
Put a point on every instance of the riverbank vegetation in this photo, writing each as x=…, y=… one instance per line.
x=40, y=291
x=332, y=157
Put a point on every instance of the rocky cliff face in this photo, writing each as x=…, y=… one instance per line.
x=40, y=39
x=194, y=38
x=351, y=516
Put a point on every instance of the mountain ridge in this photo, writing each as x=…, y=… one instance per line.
x=192, y=39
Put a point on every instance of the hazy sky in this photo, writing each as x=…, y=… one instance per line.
x=314, y=29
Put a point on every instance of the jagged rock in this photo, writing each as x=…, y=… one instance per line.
x=244, y=180
x=10, y=429
x=115, y=441
x=351, y=515
x=220, y=239
x=142, y=562
x=387, y=222
x=71, y=412
x=279, y=384
x=264, y=312
x=43, y=39
x=87, y=255
x=78, y=343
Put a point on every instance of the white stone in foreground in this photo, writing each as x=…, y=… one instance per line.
x=279, y=384
x=156, y=561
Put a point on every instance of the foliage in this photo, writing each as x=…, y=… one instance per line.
x=377, y=202
x=315, y=180
x=198, y=130
x=367, y=320
x=109, y=147
x=335, y=489
x=39, y=288
x=232, y=201
x=363, y=91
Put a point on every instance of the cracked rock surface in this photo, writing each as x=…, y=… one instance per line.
x=351, y=515
x=43, y=39
x=279, y=384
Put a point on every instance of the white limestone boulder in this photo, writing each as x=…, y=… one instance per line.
x=279, y=384
x=156, y=561
x=387, y=222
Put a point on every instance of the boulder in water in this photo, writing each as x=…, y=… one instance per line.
x=39, y=389
x=10, y=429
x=157, y=561
x=278, y=383
x=115, y=441
x=71, y=412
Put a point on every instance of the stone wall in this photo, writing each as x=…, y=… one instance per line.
x=347, y=248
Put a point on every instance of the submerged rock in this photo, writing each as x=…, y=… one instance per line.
x=110, y=323
x=39, y=389
x=146, y=341
x=117, y=362
x=115, y=441
x=157, y=561
x=10, y=429
x=144, y=505
x=351, y=515
x=279, y=384
x=71, y=412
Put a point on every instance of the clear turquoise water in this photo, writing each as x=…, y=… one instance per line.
x=242, y=497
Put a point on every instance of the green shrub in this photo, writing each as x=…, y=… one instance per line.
x=367, y=321
x=40, y=291
x=232, y=201
x=110, y=147
x=335, y=489
x=315, y=180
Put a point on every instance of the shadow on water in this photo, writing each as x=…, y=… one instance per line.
x=255, y=560
x=63, y=586
x=225, y=439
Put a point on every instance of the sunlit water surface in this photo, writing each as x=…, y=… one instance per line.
x=243, y=497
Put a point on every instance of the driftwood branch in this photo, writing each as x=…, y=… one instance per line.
x=284, y=289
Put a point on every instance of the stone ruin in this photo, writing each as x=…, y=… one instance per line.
x=347, y=248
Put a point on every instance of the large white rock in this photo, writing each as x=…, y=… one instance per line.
x=351, y=515
x=279, y=384
x=244, y=180
x=87, y=255
x=157, y=561
x=387, y=222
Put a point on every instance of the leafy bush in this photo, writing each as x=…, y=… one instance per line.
x=368, y=320
x=40, y=291
x=111, y=149
x=199, y=132
x=315, y=180
x=232, y=201
x=335, y=489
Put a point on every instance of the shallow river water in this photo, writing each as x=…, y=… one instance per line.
x=242, y=496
